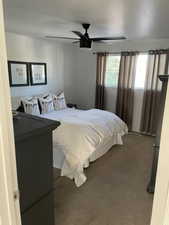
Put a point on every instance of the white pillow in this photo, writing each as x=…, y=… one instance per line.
x=59, y=101
x=46, y=104
x=31, y=105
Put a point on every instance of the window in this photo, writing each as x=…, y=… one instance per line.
x=141, y=68
x=112, y=71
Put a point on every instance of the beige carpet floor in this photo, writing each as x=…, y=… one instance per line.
x=115, y=192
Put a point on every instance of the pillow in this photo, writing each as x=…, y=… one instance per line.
x=59, y=101
x=30, y=105
x=42, y=96
x=46, y=104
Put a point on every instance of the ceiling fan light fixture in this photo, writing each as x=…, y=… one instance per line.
x=86, y=44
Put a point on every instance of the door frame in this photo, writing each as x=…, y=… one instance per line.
x=9, y=194
x=160, y=215
x=10, y=209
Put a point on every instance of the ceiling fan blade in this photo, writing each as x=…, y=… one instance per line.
x=74, y=42
x=78, y=33
x=62, y=37
x=107, y=39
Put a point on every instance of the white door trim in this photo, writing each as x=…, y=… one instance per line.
x=161, y=198
x=9, y=207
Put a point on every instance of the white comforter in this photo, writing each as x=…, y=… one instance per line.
x=79, y=135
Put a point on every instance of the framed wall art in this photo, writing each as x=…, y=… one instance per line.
x=38, y=73
x=18, y=73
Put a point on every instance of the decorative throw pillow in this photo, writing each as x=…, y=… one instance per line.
x=30, y=105
x=46, y=104
x=59, y=101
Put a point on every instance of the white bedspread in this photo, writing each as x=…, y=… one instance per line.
x=79, y=135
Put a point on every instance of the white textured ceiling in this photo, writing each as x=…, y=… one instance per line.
x=135, y=19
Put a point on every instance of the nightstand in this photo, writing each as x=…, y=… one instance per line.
x=70, y=105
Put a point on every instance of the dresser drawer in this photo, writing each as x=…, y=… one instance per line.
x=41, y=213
x=34, y=168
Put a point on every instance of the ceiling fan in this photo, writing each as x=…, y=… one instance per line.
x=85, y=40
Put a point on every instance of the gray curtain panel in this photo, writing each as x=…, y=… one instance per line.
x=100, y=79
x=157, y=65
x=125, y=91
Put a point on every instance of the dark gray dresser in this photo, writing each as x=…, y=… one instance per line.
x=34, y=156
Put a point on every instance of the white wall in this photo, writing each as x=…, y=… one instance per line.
x=85, y=79
x=69, y=72
x=59, y=59
x=139, y=45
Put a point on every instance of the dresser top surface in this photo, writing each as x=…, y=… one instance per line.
x=26, y=125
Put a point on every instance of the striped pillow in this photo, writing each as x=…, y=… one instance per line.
x=46, y=104
x=30, y=105
x=59, y=101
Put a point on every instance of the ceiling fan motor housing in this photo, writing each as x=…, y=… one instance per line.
x=85, y=43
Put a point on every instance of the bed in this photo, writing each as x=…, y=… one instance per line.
x=83, y=137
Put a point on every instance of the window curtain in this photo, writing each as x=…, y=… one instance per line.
x=157, y=64
x=100, y=79
x=125, y=90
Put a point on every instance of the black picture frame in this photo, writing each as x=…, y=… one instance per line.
x=42, y=68
x=12, y=70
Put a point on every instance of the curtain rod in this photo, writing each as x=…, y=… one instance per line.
x=117, y=53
